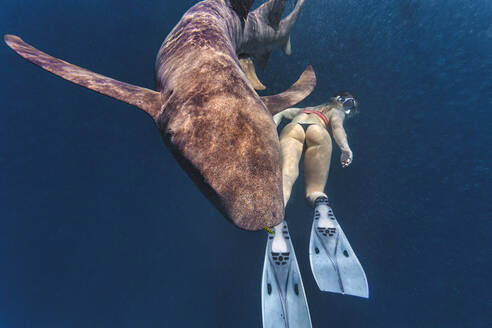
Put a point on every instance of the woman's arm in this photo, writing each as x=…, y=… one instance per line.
x=287, y=114
x=341, y=139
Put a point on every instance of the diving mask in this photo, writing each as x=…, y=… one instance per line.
x=349, y=104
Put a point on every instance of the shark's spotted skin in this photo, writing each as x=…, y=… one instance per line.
x=216, y=126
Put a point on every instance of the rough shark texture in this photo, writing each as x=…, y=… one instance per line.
x=264, y=29
x=213, y=122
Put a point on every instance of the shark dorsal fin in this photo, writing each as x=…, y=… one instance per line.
x=242, y=7
x=148, y=100
x=295, y=94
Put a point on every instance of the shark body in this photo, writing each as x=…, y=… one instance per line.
x=208, y=113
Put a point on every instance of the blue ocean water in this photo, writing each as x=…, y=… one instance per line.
x=100, y=227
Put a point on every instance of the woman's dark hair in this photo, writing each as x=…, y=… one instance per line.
x=343, y=94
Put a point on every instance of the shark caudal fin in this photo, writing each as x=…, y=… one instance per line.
x=295, y=94
x=272, y=10
x=148, y=100
x=267, y=19
x=242, y=7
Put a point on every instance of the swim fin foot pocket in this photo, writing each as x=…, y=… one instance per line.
x=333, y=262
x=283, y=300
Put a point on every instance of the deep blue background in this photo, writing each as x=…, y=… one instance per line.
x=100, y=228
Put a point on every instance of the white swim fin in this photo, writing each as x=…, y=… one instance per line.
x=333, y=262
x=283, y=300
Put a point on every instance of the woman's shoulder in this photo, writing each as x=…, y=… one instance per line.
x=335, y=115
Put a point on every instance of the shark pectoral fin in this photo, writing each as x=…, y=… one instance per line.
x=148, y=100
x=286, y=47
x=249, y=68
x=295, y=94
x=261, y=60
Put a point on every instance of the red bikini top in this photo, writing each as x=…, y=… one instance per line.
x=318, y=113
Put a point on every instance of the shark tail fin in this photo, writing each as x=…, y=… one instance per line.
x=274, y=10
x=249, y=68
x=148, y=100
x=295, y=94
x=241, y=7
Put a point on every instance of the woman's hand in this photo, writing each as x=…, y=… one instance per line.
x=346, y=157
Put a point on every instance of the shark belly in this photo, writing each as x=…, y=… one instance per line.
x=217, y=127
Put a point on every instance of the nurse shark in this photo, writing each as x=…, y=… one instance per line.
x=217, y=127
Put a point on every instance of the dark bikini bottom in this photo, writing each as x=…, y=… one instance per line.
x=305, y=126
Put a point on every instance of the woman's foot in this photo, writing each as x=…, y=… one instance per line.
x=313, y=197
x=279, y=244
x=326, y=218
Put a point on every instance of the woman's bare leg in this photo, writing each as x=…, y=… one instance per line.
x=316, y=162
x=291, y=144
